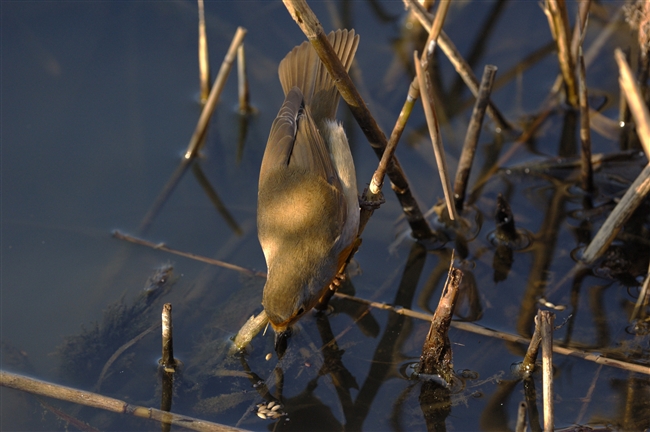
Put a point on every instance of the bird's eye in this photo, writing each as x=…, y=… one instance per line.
x=301, y=311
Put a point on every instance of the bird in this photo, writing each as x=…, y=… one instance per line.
x=308, y=204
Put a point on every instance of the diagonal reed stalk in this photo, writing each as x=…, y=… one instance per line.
x=215, y=93
x=309, y=24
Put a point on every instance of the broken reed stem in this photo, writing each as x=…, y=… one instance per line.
x=55, y=391
x=617, y=218
x=426, y=95
x=372, y=196
x=559, y=22
x=521, y=417
x=642, y=301
x=436, y=355
x=215, y=93
x=528, y=365
x=242, y=81
x=635, y=101
x=545, y=319
x=204, y=64
x=587, y=171
x=472, y=135
x=167, y=362
x=161, y=246
x=309, y=24
x=462, y=67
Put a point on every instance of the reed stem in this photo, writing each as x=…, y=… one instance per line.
x=215, y=93
x=472, y=136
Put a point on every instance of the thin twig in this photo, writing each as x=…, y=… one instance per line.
x=69, y=394
x=617, y=218
x=309, y=24
x=215, y=93
x=472, y=135
x=635, y=101
x=434, y=131
x=163, y=247
x=545, y=319
x=204, y=63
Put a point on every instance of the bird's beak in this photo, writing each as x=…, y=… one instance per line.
x=281, y=339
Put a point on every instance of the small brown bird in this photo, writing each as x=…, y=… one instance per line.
x=307, y=205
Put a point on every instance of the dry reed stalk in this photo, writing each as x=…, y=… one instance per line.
x=528, y=365
x=472, y=135
x=372, y=196
x=558, y=18
x=311, y=27
x=545, y=319
x=459, y=63
x=434, y=131
x=436, y=355
x=167, y=362
x=81, y=397
x=617, y=218
x=242, y=81
x=635, y=101
x=587, y=171
x=215, y=93
x=204, y=64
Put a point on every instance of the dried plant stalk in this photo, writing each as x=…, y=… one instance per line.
x=635, y=101
x=621, y=213
x=559, y=21
x=69, y=394
x=472, y=135
x=528, y=365
x=215, y=93
x=167, y=362
x=545, y=319
x=309, y=24
x=436, y=355
x=242, y=81
x=204, y=64
x=434, y=131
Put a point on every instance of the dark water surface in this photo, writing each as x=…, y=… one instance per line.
x=99, y=100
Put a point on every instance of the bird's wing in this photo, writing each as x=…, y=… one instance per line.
x=295, y=142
